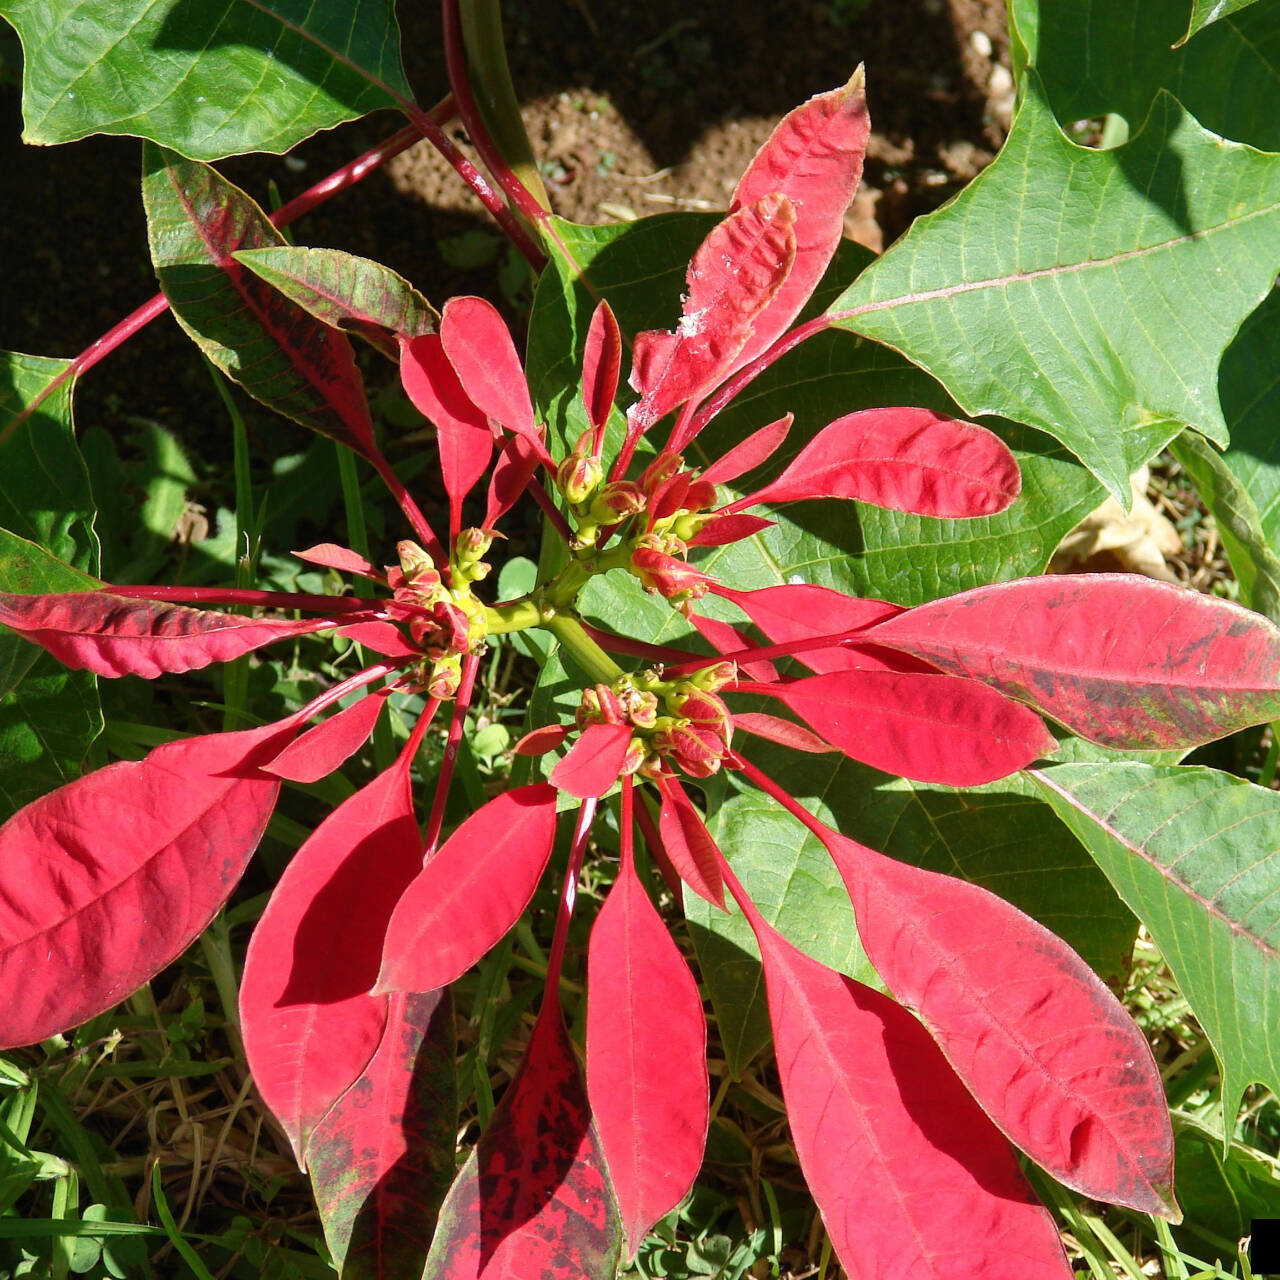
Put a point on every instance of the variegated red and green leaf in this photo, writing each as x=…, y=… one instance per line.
x=1117, y=658
x=346, y=292
x=280, y=354
x=114, y=635
x=534, y=1198
x=382, y=1160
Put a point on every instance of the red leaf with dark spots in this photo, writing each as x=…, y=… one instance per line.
x=533, y=1199
x=1049, y=1052
x=1117, y=658
x=322, y=749
x=784, y=732
x=511, y=475
x=646, y=1057
x=720, y=531
x=754, y=450
x=271, y=346
x=309, y=1025
x=463, y=435
x=332, y=556
x=594, y=762
x=382, y=1159
x=105, y=881
x=471, y=891
x=814, y=158
x=737, y=269
x=114, y=635
x=688, y=843
x=914, y=1182
x=902, y=459
x=924, y=727
x=478, y=344
x=802, y=611
x=728, y=640
x=601, y=364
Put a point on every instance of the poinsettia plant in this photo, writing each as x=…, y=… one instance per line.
x=906, y=1099
x=698, y=649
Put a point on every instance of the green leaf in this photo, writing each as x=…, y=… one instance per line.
x=345, y=291
x=281, y=355
x=49, y=717
x=46, y=726
x=1250, y=386
x=1222, y=1187
x=639, y=267
x=1256, y=565
x=1109, y=304
x=1203, y=12
x=797, y=888
x=1115, y=55
x=1193, y=853
x=208, y=80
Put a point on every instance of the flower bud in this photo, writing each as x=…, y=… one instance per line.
x=695, y=750
x=667, y=575
x=418, y=568
x=714, y=676
x=704, y=711
x=633, y=761
x=579, y=476
x=616, y=501
x=660, y=470
x=471, y=544
x=599, y=705
x=445, y=677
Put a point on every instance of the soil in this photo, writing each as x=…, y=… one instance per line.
x=634, y=108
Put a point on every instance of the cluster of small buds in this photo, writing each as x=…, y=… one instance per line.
x=445, y=622
x=594, y=502
x=681, y=722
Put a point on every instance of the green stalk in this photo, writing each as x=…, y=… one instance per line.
x=583, y=649
x=495, y=95
x=384, y=747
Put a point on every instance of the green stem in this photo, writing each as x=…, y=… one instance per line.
x=495, y=94
x=215, y=942
x=519, y=615
x=582, y=648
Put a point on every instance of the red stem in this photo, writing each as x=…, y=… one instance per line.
x=412, y=512
x=569, y=895
x=462, y=701
x=657, y=850
x=472, y=176
x=766, y=653
x=771, y=788
x=455, y=56
x=246, y=596
x=638, y=648
x=349, y=174
x=748, y=373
